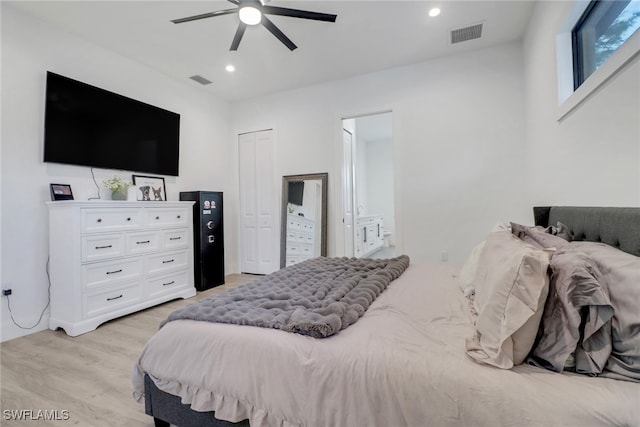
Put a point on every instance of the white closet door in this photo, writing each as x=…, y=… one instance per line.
x=248, y=204
x=258, y=203
x=347, y=192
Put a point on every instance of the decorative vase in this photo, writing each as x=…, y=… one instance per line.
x=119, y=194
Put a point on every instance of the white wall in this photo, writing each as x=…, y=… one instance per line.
x=29, y=49
x=463, y=156
x=458, y=141
x=592, y=156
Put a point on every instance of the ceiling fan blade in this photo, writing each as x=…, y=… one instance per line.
x=276, y=32
x=236, y=2
x=239, y=33
x=204, y=15
x=297, y=13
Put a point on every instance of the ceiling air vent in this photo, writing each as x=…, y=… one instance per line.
x=466, y=33
x=200, y=80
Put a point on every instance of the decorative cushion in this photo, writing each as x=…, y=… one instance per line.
x=563, y=232
x=577, y=316
x=511, y=287
x=538, y=236
x=621, y=272
x=468, y=272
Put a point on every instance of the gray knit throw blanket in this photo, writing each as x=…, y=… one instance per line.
x=318, y=297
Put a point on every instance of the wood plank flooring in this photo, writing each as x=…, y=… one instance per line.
x=89, y=375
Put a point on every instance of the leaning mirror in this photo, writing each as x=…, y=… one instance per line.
x=304, y=218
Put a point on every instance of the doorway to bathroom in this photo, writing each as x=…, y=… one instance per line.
x=368, y=186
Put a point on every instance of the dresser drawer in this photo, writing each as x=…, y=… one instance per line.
x=101, y=246
x=291, y=260
x=108, y=300
x=109, y=272
x=168, y=261
x=161, y=217
x=296, y=248
x=167, y=283
x=175, y=238
x=139, y=243
x=105, y=220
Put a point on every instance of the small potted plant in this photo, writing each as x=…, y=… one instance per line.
x=118, y=187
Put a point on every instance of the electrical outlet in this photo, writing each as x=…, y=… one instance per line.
x=6, y=292
x=444, y=256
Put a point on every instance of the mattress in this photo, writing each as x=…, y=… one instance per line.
x=402, y=363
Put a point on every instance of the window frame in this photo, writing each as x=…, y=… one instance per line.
x=569, y=97
x=577, y=41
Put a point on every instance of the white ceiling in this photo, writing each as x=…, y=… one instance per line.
x=367, y=36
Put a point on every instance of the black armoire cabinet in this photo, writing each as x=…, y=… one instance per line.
x=208, y=239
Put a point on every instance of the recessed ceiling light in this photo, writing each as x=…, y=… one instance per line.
x=434, y=12
x=230, y=68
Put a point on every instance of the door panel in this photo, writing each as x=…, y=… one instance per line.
x=258, y=199
x=347, y=192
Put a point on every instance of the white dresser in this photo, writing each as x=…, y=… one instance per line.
x=369, y=235
x=108, y=259
x=300, y=239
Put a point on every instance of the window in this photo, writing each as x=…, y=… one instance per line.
x=601, y=30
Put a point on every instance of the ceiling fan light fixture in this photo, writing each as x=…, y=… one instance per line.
x=250, y=15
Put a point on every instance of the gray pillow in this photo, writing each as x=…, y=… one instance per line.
x=562, y=231
x=577, y=316
x=621, y=272
x=538, y=236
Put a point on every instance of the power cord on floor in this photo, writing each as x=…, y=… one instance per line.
x=97, y=186
x=43, y=310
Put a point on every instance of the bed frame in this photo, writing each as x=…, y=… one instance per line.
x=618, y=227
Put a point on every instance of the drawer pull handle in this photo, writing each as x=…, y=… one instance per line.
x=143, y=242
x=175, y=238
x=104, y=247
x=99, y=220
x=157, y=217
x=111, y=299
x=129, y=219
x=114, y=272
x=169, y=283
x=179, y=217
x=168, y=261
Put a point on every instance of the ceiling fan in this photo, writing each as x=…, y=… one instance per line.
x=252, y=12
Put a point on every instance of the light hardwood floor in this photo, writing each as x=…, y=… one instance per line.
x=89, y=375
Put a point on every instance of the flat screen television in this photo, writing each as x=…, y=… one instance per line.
x=296, y=192
x=88, y=126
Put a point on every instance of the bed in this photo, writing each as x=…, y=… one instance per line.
x=410, y=360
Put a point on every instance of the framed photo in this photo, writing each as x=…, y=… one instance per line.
x=60, y=192
x=150, y=188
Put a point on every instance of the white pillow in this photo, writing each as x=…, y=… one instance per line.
x=511, y=288
x=468, y=272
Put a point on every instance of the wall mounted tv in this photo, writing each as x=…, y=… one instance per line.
x=296, y=192
x=88, y=126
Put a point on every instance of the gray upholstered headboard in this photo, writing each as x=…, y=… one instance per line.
x=618, y=227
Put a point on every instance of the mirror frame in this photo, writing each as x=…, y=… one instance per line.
x=324, y=178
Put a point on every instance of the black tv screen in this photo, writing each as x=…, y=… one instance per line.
x=296, y=191
x=88, y=126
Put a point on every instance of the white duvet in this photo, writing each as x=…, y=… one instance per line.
x=402, y=364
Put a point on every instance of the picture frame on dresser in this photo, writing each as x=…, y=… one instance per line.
x=150, y=188
x=60, y=192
